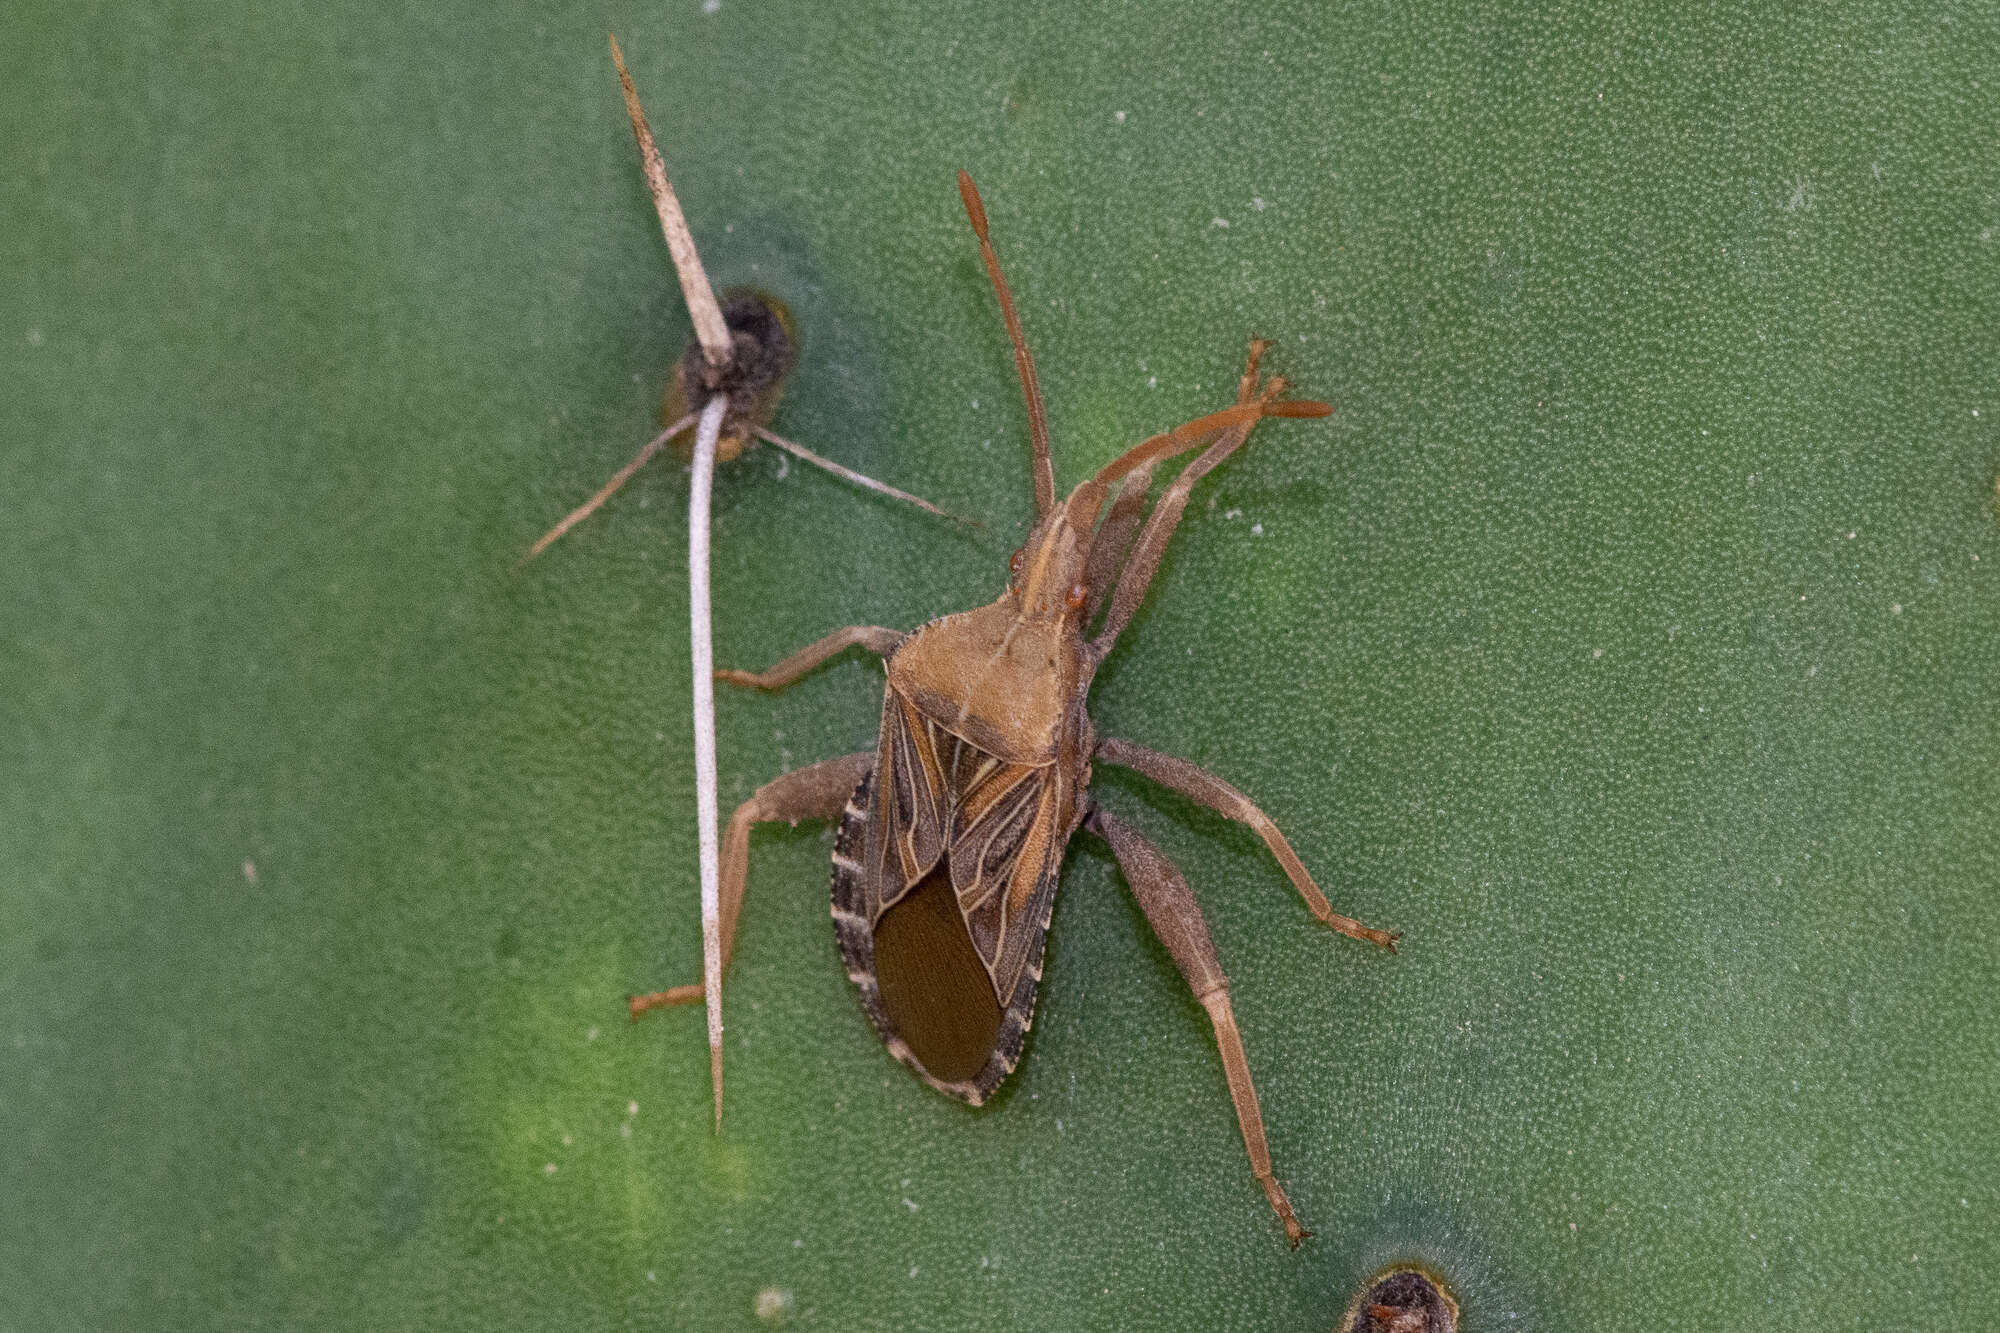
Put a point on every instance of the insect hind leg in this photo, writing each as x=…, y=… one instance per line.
x=1176, y=918
x=817, y=791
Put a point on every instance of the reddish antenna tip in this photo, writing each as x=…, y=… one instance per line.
x=1298, y=407
x=974, y=209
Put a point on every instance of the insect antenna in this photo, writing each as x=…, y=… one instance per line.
x=1024, y=361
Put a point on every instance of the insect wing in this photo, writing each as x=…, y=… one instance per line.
x=914, y=801
x=1004, y=854
x=943, y=934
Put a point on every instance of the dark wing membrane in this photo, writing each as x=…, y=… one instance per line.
x=935, y=991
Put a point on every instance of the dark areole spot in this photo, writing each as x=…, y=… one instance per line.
x=1402, y=1300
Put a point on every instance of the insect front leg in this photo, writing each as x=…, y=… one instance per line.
x=1204, y=788
x=1152, y=544
x=874, y=638
x=1114, y=538
x=817, y=791
x=1176, y=918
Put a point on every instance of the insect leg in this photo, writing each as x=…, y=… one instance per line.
x=1176, y=918
x=874, y=638
x=1113, y=541
x=1204, y=788
x=817, y=791
x=1152, y=544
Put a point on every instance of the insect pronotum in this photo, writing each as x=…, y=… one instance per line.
x=726, y=385
x=952, y=829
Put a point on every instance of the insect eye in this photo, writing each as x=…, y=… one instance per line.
x=1076, y=597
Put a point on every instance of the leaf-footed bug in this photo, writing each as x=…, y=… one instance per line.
x=952, y=829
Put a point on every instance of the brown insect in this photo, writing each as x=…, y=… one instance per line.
x=952, y=829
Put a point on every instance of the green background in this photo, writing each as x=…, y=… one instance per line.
x=1627, y=639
